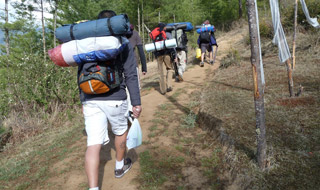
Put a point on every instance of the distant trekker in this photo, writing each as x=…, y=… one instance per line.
x=165, y=63
x=206, y=41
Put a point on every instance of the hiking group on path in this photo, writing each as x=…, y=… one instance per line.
x=108, y=79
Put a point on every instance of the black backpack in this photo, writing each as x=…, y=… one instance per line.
x=205, y=37
x=181, y=38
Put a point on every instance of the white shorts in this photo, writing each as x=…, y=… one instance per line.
x=97, y=114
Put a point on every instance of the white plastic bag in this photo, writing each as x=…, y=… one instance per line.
x=134, y=138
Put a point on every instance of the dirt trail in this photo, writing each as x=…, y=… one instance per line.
x=194, y=79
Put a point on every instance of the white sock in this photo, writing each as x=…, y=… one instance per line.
x=119, y=164
x=94, y=188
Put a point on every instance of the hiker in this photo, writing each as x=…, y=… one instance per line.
x=206, y=41
x=110, y=107
x=178, y=32
x=182, y=63
x=165, y=64
x=136, y=41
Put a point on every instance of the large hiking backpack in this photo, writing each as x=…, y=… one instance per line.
x=205, y=37
x=181, y=38
x=99, y=78
x=156, y=35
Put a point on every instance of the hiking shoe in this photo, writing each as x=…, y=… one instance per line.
x=180, y=78
x=211, y=62
x=126, y=167
x=201, y=64
x=177, y=79
x=169, y=89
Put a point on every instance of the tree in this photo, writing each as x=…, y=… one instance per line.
x=259, y=86
x=55, y=9
x=6, y=28
x=294, y=34
x=43, y=31
x=240, y=8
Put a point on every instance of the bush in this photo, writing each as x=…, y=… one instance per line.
x=4, y=95
x=34, y=83
x=288, y=14
x=266, y=29
x=233, y=58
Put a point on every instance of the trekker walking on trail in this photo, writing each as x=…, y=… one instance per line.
x=165, y=63
x=181, y=38
x=136, y=43
x=182, y=63
x=110, y=107
x=206, y=41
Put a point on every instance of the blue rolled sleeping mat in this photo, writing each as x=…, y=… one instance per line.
x=179, y=26
x=117, y=25
x=210, y=28
x=188, y=28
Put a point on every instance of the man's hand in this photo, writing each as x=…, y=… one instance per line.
x=136, y=110
x=144, y=73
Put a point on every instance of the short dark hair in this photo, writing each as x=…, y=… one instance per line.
x=106, y=14
x=161, y=25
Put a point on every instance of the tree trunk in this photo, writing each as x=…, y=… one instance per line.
x=258, y=80
x=43, y=32
x=6, y=29
x=142, y=19
x=139, y=21
x=159, y=17
x=290, y=79
x=240, y=8
x=294, y=35
x=55, y=23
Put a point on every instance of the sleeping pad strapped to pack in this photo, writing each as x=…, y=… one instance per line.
x=176, y=27
x=188, y=28
x=160, y=45
x=208, y=28
x=117, y=25
x=91, y=49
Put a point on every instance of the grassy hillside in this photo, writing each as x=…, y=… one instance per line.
x=293, y=132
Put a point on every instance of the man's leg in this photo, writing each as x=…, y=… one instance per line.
x=168, y=64
x=162, y=77
x=215, y=54
x=202, y=56
x=119, y=124
x=203, y=51
x=211, y=54
x=92, y=160
x=97, y=134
x=120, y=144
x=182, y=62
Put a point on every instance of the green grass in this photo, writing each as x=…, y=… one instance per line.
x=157, y=167
x=151, y=173
x=35, y=156
x=189, y=121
